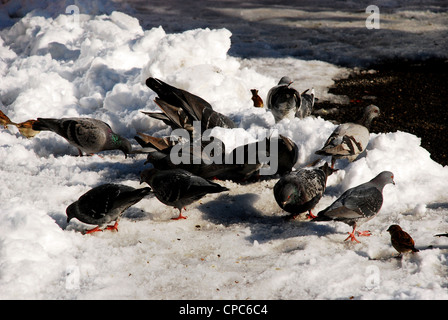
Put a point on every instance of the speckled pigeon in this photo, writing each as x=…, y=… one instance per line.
x=178, y=188
x=104, y=204
x=283, y=100
x=180, y=108
x=349, y=139
x=300, y=191
x=358, y=204
x=87, y=134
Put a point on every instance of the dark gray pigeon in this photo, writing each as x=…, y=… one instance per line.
x=88, y=135
x=307, y=104
x=180, y=108
x=199, y=163
x=178, y=188
x=237, y=166
x=349, y=139
x=300, y=191
x=288, y=154
x=283, y=100
x=104, y=204
x=358, y=204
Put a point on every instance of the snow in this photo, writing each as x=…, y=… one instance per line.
x=234, y=245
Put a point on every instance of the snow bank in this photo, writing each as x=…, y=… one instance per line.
x=234, y=245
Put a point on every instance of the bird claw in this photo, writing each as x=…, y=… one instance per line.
x=352, y=237
x=96, y=229
x=179, y=217
x=114, y=227
x=310, y=215
x=359, y=234
x=365, y=233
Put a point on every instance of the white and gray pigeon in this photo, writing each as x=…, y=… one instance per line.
x=350, y=139
x=104, y=204
x=283, y=100
x=180, y=108
x=358, y=204
x=178, y=188
x=87, y=134
x=299, y=191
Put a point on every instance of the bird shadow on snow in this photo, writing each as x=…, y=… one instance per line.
x=239, y=209
x=113, y=171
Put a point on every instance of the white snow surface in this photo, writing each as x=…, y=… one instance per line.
x=234, y=245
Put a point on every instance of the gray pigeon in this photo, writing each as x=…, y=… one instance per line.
x=104, y=204
x=349, y=139
x=301, y=190
x=358, y=204
x=180, y=108
x=307, y=104
x=87, y=134
x=178, y=188
x=283, y=100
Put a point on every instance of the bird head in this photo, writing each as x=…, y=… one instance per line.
x=122, y=144
x=71, y=211
x=394, y=228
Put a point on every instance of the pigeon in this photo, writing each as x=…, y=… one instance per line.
x=248, y=159
x=401, y=240
x=358, y=204
x=349, y=139
x=180, y=108
x=307, y=104
x=104, y=204
x=283, y=100
x=239, y=165
x=301, y=190
x=258, y=102
x=178, y=188
x=88, y=135
x=198, y=161
x=288, y=154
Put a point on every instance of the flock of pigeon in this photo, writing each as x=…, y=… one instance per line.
x=178, y=185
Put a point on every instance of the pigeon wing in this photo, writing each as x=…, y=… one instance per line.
x=99, y=201
x=364, y=202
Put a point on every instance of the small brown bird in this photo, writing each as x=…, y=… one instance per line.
x=4, y=120
x=26, y=129
x=401, y=240
x=258, y=102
